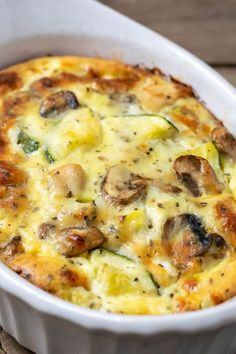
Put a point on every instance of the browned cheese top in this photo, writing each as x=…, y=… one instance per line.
x=117, y=187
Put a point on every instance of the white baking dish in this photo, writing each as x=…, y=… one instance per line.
x=48, y=325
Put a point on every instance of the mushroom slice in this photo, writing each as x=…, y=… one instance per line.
x=121, y=186
x=123, y=97
x=218, y=247
x=184, y=238
x=57, y=103
x=45, y=230
x=73, y=241
x=12, y=248
x=225, y=142
x=166, y=187
x=197, y=175
x=68, y=179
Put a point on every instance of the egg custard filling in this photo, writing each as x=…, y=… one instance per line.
x=117, y=187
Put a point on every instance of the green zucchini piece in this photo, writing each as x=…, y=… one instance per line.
x=48, y=156
x=118, y=275
x=148, y=115
x=145, y=126
x=27, y=143
x=154, y=281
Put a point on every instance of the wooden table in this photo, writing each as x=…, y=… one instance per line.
x=206, y=28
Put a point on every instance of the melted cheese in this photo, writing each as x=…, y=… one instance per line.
x=130, y=117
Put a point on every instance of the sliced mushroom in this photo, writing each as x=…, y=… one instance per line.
x=121, y=186
x=75, y=240
x=12, y=248
x=197, y=175
x=123, y=97
x=57, y=103
x=225, y=142
x=184, y=238
x=45, y=230
x=218, y=247
x=166, y=187
x=68, y=179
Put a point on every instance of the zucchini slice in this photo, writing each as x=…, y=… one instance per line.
x=118, y=275
x=162, y=127
x=159, y=117
x=78, y=129
x=48, y=156
x=142, y=127
x=27, y=143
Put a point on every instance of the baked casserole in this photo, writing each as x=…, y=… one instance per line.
x=117, y=187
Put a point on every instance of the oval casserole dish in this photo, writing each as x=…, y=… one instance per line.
x=149, y=325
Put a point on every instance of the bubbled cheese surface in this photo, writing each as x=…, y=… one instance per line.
x=142, y=121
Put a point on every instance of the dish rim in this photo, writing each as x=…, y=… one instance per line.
x=40, y=300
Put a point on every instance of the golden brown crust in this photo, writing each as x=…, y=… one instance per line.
x=12, y=248
x=50, y=274
x=9, y=81
x=226, y=217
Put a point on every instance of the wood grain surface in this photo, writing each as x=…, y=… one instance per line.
x=10, y=346
x=207, y=28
